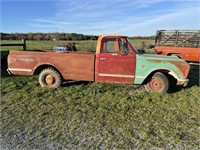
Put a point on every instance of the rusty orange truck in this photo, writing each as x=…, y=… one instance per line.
x=116, y=60
x=182, y=43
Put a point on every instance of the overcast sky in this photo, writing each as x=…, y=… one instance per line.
x=126, y=17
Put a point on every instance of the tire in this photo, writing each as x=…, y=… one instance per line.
x=158, y=83
x=49, y=77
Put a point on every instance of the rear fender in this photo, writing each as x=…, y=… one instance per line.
x=41, y=67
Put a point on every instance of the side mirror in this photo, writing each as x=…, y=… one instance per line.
x=141, y=51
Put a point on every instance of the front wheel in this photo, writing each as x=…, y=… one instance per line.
x=49, y=77
x=158, y=83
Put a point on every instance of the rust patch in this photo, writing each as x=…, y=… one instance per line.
x=183, y=67
x=155, y=61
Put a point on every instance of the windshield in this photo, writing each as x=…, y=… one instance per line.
x=133, y=47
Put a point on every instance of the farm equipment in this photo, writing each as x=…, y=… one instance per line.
x=182, y=43
x=115, y=61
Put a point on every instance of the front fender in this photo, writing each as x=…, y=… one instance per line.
x=177, y=68
x=141, y=77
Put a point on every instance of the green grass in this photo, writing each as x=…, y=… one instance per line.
x=48, y=45
x=91, y=115
x=86, y=115
x=81, y=45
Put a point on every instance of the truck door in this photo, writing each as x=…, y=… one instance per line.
x=116, y=61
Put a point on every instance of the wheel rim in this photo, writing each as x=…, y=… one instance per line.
x=156, y=84
x=50, y=80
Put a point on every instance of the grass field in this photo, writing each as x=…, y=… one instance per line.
x=86, y=115
x=81, y=45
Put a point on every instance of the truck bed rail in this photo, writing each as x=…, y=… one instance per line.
x=178, y=38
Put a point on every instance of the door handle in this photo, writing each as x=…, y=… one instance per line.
x=103, y=58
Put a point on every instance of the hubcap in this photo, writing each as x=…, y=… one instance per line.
x=50, y=80
x=156, y=84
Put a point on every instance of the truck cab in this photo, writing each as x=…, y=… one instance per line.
x=115, y=60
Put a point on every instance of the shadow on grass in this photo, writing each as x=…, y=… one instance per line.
x=68, y=83
x=4, y=73
x=194, y=75
x=4, y=55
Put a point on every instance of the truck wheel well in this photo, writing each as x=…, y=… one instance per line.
x=42, y=67
x=165, y=72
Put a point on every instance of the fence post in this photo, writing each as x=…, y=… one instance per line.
x=24, y=44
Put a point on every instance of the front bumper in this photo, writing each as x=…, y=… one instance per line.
x=183, y=82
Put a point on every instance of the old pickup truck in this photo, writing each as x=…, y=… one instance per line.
x=116, y=61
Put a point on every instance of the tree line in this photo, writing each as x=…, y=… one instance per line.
x=56, y=36
x=46, y=36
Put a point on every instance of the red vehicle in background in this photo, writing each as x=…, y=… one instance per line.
x=182, y=43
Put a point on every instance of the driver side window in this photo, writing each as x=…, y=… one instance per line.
x=115, y=45
x=110, y=45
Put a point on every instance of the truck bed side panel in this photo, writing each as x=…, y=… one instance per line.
x=78, y=66
x=72, y=65
x=186, y=53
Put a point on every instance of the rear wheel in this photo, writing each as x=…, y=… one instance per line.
x=158, y=83
x=49, y=77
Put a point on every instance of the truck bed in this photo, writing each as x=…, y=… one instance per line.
x=71, y=65
x=182, y=43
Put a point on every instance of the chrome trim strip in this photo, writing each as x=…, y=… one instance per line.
x=19, y=69
x=8, y=71
x=116, y=75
